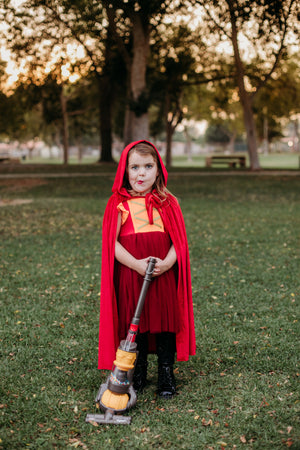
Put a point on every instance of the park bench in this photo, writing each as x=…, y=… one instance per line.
x=231, y=160
x=8, y=159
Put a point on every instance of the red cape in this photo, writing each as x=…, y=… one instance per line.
x=173, y=220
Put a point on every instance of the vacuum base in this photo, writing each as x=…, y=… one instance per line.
x=109, y=418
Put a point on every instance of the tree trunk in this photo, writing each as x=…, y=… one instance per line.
x=232, y=139
x=65, y=129
x=244, y=95
x=106, y=99
x=169, y=145
x=128, y=120
x=169, y=130
x=136, y=116
x=250, y=131
x=266, y=135
x=105, y=113
x=296, y=137
x=172, y=119
x=79, y=149
x=140, y=119
x=188, y=144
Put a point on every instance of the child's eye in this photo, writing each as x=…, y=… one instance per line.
x=134, y=167
x=149, y=166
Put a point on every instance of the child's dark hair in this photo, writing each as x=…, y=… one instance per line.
x=143, y=148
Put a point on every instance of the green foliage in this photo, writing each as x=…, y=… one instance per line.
x=216, y=133
x=182, y=60
x=239, y=391
x=280, y=98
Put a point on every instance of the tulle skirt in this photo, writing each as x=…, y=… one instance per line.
x=160, y=312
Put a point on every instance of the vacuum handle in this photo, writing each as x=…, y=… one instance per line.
x=134, y=325
x=145, y=286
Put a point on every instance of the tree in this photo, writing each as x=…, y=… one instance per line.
x=279, y=100
x=174, y=63
x=224, y=112
x=265, y=26
x=14, y=120
x=41, y=34
x=131, y=24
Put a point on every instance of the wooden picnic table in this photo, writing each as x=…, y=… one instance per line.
x=230, y=160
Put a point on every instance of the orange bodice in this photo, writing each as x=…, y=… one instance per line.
x=135, y=218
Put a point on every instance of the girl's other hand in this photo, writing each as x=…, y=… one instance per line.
x=140, y=266
x=160, y=267
x=163, y=265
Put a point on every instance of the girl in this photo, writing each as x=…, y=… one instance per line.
x=143, y=219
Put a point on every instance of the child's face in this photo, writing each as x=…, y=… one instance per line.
x=142, y=171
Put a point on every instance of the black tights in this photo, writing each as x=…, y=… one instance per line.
x=165, y=347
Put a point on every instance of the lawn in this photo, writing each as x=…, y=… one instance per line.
x=272, y=161
x=241, y=389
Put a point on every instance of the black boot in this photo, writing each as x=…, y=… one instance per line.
x=140, y=371
x=165, y=347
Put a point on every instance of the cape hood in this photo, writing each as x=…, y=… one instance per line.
x=173, y=220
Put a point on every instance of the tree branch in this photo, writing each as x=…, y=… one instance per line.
x=110, y=11
x=206, y=8
x=277, y=55
x=208, y=80
x=90, y=54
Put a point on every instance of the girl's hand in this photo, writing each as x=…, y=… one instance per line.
x=163, y=265
x=160, y=266
x=140, y=266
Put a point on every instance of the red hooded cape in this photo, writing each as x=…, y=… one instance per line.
x=173, y=220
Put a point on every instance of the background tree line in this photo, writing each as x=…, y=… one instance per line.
x=138, y=68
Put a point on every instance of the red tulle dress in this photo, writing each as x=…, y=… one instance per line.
x=142, y=239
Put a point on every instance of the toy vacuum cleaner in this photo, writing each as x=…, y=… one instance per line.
x=117, y=394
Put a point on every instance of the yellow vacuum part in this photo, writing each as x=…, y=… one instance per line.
x=114, y=401
x=124, y=360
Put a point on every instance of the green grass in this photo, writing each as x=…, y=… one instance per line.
x=53, y=161
x=273, y=161
x=241, y=389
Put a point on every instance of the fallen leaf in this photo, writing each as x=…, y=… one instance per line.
x=206, y=423
x=92, y=422
x=288, y=443
x=77, y=443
